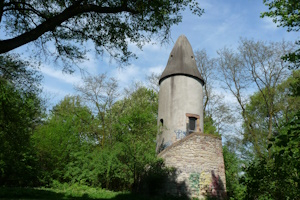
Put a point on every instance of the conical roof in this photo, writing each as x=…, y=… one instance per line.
x=181, y=61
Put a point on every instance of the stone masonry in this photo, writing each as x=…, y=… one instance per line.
x=198, y=160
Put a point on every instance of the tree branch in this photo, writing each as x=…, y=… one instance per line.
x=53, y=22
x=1, y=9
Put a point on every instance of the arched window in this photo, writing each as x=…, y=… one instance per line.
x=161, y=122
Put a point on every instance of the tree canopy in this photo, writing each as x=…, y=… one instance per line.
x=287, y=14
x=20, y=112
x=111, y=24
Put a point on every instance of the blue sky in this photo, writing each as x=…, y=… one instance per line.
x=222, y=24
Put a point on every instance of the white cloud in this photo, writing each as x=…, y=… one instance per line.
x=54, y=91
x=53, y=95
x=157, y=69
x=269, y=24
x=58, y=74
x=91, y=63
x=127, y=75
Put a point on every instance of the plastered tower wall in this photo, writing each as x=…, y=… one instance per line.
x=179, y=98
x=180, y=107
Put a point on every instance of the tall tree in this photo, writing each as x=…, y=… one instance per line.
x=257, y=65
x=20, y=113
x=206, y=68
x=63, y=134
x=136, y=130
x=277, y=178
x=216, y=113
x=100, y=92
x=109, y=24
x=20, y=73
x=285, y=107
x=153, y=81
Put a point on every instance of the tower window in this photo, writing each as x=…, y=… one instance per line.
x=192, y=124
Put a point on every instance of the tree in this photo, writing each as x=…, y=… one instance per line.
x=216, y=113
x=257, y=65
x=233, y=173
x=277, y=178
x=287, y=13
x=100, y=92
x=136, y=129
x=206, y=68
x=153, y=81
x=109, y=24
x=284, y=108
x=21, y=74
x=20, y=112
x=61, y=138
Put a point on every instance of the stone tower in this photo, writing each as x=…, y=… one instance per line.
x=180, y=110
x=197, y=157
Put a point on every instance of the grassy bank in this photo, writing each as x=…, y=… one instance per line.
x=72, y=192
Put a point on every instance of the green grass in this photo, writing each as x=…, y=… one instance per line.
x=67, y=193
x=71, y=192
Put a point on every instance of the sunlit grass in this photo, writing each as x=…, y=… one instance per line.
x=74, y=192
x=82, y=192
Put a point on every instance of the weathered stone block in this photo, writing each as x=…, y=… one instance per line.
x=198, y=159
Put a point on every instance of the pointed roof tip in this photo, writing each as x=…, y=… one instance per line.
x=181, y=61
x=182, y=36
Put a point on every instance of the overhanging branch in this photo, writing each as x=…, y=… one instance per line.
x=51, y=23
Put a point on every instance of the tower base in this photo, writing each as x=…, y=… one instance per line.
x=199, y=164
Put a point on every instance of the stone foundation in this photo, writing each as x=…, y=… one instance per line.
x=198, y=160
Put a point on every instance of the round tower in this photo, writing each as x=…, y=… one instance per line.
x=180, y=108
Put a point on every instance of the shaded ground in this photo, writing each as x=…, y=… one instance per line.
x=49, y=194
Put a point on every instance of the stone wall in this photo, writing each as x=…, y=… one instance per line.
x=198, y=160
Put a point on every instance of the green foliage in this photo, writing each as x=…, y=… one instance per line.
x=21, y=74
x=287, y=13
x=136, y=131
x=60, y=139
x=71, y=149
x=287, y=155
x=109, y=24
x=293, y=57
x=100, y=92
x=295, y=84
x=266, y=179
x=233, y=171
x=20, y=112
x=258, y=65
x=259, y=180
x=155, y=177
x=284, y=107
x=209, y=126
x=273, y=174
x=277, y=178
